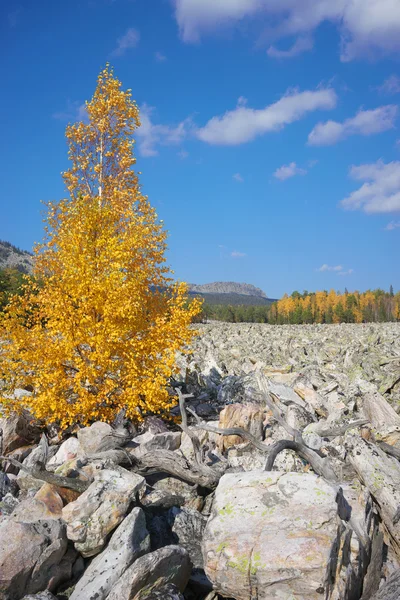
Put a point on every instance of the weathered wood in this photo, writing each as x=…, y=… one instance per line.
x=39, y=472
x=319, y=464
x=372, y=578
x=185, y=428
x=391, y=589
x=201, y=425
x=167, y=461
x=391, y=450
x=381, y=476
x=337, y=431
x=379, y=412
x=279, y=416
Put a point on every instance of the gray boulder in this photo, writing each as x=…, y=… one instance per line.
x=155, y=570
x=41, y=596
x=127, y=543
x=166, y=592
x=19, y=429
x=98, y=511
x=92, y=438
x=188, y=525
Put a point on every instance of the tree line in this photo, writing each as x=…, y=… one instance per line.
x=313, y=307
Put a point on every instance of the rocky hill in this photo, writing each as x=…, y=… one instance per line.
x=227, y=287
x=11, y=256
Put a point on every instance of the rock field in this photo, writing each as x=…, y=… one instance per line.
x=281, y=483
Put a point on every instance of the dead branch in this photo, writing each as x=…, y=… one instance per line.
x=201, y=425
x=184, y=426
x=279, y=416
x=388, y=449
x=39, y=472
x=341, y=430
x=320, y=465
x=167, y=461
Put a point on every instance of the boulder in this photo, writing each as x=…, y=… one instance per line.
x=127, y=543
x=315, y=402
x=8, y=504
x=170, y=564
x=382, y=417
x=98, y=511
x=188, y=525
x=45, y=505
x=19, y=429
x=91, y=438
x=147, y=442
x=41, y=596
x=390, y=589
x=68, y=450
x=166, y=592
x=247, y=416
x=30, y=557
x=270, y=535
x=25, y=481
x=6, y=486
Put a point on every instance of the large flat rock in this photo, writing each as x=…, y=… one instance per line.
x=269, y=535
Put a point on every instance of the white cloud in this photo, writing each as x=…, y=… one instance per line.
x=130, y=39
x=238, y=177
x=287, y=171
x=302, y=44
x=366, y=122
x=392, y=225
x=366, y=27
x=243, y=124
x=160, y=57
x=348, y=272
x=150, y=135
x=390, y=86
x=197, y=16
x=380, y=192
x=325, y=267
x=236, y=254
x=74, y=111
x=183, y=154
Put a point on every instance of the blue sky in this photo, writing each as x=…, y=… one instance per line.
x=269, y=142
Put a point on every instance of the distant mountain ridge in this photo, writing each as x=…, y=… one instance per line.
x=15, y=258
x=227, y=287
x=218, y=292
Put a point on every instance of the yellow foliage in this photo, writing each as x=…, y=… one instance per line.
x=100, y=330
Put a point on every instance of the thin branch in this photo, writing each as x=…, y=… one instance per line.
x=40, y=473
x=230, y=431
x=320, y=465
x=390, y=450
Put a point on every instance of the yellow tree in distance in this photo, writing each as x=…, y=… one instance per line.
x=100, y=330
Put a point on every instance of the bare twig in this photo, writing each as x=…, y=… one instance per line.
x=39, y=472
x=320, y=465
x=230, y=431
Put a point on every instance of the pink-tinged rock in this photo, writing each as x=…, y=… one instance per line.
x=249, y=417
x=270, y=535
x=68, y=450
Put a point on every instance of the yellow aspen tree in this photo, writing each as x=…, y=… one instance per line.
x=100, y=329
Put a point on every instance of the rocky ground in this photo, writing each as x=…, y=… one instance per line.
x=283, y=481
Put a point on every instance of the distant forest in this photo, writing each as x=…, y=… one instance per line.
x=313, y=307
x=308, y=307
